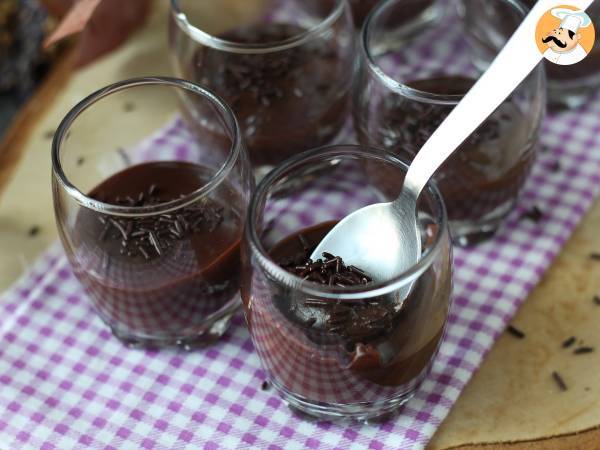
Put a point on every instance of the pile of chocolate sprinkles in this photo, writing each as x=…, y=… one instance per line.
x=256, y=74
x=260, y=75
x=353, y=322
x=414, y=122
x=150, y=237
x=330, y=271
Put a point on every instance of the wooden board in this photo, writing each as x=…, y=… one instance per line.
x=511, y=402
x=513, y=397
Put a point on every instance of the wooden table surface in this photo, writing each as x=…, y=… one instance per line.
x=511, y=402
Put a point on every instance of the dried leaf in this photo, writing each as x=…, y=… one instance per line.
x=74, y=22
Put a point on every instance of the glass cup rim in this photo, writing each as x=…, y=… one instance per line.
x=339, y=293
x=218, y=43
x=397, y=86
x=117, y=210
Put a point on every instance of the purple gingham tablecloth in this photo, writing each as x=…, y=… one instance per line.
x=65, y=382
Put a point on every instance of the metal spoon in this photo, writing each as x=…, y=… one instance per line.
x=383, y=239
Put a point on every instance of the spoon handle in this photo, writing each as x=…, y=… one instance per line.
x=515, y=61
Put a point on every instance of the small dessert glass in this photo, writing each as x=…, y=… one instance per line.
x=284, y=66
x=411, y=77
x=341, y=352
x=150, y=213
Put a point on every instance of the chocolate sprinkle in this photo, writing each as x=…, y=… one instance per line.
x=265, y=385
x=597, y=299
x=569, y=342
x=583, y=350
x=535, y=214
x=555, y=166
x=515, y=332
x=595, y=256
x=559, y=381
x=49, y=134
x=34, y=231
x=129, y=106
x=80, y=161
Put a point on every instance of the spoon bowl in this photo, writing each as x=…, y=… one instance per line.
x=381, y=239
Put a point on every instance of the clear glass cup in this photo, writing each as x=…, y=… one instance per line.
x=150, y=212
x=410, y=80
x=571, y=86
x=341, y=352
x=285, y=67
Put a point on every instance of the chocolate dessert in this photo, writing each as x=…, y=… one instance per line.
x=160, y=274
x=486, y=172
x=286, y=101
x=344, y=351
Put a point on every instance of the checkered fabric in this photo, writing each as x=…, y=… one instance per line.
x=65, y=382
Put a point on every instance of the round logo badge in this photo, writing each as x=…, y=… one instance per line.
x=565, y=35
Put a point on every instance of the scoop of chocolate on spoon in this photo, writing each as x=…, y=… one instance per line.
x=384, y=239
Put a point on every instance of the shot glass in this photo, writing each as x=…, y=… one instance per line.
x=285, y=67
x=412, y=75
x=356, y=351
x=150, y=214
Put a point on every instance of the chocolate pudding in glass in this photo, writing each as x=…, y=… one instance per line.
x=152, y=229
x=408, y=86
x=285, y=69
x=335, y=343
